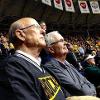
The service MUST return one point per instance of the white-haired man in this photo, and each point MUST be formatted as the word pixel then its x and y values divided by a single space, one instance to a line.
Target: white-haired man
pixel 67 75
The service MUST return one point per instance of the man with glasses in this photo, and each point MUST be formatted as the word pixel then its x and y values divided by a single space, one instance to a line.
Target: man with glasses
pixel 22 77
pixel 69 78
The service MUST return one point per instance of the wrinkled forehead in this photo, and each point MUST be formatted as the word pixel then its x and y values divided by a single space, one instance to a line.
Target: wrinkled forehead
pixel 24 22
pixel 30 22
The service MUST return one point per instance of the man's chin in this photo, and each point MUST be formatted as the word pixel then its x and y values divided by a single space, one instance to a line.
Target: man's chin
pixel 43 45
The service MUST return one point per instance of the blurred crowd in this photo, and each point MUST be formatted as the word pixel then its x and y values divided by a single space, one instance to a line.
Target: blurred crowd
pixel 6 47
pixel 83 46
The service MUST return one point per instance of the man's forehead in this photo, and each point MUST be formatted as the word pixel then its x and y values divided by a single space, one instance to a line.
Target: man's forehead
pixel 27 21
pixel 32 22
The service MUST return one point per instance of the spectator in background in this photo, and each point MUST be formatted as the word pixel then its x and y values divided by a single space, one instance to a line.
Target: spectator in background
pixel 21 75
pixel 68 76
pixel 89 49
pixel 11 48
pixel 71 57
pixel 81 51
pixel 97 57
pixel 92 72
pixel 4 46
pixel 43 26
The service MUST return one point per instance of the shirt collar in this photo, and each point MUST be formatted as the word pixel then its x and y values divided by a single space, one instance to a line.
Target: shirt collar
pixel 38 60
pixel 65 62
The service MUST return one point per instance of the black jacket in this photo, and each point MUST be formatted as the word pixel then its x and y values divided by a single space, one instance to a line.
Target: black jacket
pixel 22 80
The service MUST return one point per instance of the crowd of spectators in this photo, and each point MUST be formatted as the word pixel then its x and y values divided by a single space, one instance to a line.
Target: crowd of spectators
pixel 84 54
pixel 82 46
pixel 87 53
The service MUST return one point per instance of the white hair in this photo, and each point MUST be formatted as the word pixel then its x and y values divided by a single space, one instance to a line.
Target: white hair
pixel 51 37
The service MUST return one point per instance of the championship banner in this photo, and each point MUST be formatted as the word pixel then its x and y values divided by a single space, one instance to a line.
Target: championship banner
pixel 47 2
pixel 69 5
pixel 58 4
pixel 83 7
pixel 95 7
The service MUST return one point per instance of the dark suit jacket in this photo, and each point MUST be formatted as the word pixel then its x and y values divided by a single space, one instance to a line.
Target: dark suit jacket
pixel 20 79
pixel 70 78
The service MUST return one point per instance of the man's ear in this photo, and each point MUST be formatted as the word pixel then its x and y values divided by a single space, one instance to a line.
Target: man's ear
pixel 20 34
pixel 51 50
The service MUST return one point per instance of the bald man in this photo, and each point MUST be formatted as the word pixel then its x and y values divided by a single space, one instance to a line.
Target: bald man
pixel 22 77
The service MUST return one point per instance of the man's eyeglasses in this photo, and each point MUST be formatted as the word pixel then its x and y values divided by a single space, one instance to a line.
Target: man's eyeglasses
pixel 37 26
pixel 61 40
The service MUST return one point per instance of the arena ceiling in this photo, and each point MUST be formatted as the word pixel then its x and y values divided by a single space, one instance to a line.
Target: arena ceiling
pixel 11 10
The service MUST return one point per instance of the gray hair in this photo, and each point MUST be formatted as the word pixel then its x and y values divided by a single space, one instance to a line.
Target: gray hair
pixel 14 26
pixel 51 37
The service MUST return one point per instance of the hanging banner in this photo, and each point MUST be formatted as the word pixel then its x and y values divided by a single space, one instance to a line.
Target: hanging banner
pixel 95 7
pixel 83 7
pixel 58 4
pixel 47 2
pixel 69 5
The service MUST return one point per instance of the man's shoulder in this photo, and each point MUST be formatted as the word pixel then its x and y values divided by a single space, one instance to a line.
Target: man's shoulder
pixel 10 59
pixel 54 66
pixel 51 63
pixel 12 62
